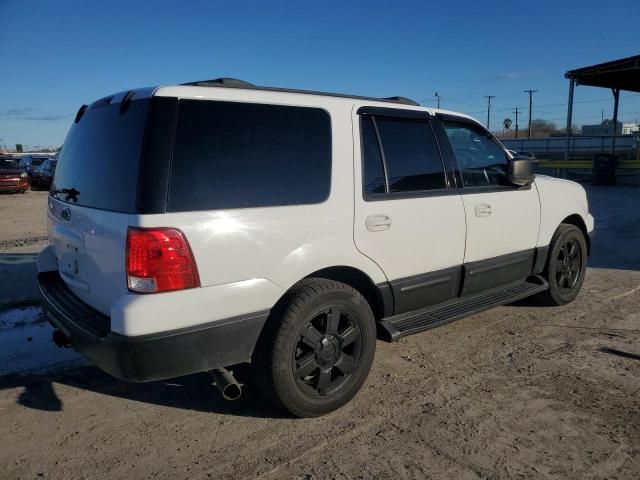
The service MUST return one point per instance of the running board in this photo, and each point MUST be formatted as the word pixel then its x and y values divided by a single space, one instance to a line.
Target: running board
pixel 398 326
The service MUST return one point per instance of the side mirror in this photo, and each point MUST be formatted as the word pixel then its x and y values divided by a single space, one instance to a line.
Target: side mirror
pixel 521 171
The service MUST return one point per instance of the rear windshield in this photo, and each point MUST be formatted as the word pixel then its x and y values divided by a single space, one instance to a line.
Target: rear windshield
pixel 243 155
pixel 7 164
pixel 101 157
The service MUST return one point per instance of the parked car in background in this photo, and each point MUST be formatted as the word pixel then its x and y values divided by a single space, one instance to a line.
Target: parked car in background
pixel 43 174
pixel 29 163
pixel 12 178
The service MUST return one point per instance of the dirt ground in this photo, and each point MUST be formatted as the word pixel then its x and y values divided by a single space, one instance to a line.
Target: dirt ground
pixel 517 392
pixel 23 220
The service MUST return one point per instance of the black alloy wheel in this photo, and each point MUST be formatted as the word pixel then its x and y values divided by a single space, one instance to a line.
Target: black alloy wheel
pixel 317 347
pixel 327 352
pixel 566 266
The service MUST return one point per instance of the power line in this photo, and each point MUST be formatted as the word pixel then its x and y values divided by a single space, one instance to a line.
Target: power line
pixel 461 102
pixel 564 104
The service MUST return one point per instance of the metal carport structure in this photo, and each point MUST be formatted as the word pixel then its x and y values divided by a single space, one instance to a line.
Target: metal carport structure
pixel 623 74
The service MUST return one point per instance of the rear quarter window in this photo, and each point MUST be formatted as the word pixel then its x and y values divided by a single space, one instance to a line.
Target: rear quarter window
pixel 241 155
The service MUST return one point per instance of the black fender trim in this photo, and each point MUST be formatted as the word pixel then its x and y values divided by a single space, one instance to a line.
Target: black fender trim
pixel 541 259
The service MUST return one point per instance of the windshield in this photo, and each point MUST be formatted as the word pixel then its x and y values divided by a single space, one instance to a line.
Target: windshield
pixel 101 157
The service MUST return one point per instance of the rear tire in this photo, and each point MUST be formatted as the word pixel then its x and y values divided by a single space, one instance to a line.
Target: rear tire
pixel 566 266
pixel 317 348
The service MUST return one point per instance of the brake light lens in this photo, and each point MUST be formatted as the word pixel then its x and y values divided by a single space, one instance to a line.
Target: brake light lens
pixel 159 260
pixel 24 179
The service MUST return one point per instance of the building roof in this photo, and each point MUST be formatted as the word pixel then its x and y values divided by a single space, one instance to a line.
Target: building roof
pixel 623 74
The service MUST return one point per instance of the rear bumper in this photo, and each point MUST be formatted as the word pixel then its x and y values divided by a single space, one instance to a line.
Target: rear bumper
pixel 147 357
pixel 14 188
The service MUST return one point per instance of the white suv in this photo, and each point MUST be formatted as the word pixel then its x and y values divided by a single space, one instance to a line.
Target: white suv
pixel 199 226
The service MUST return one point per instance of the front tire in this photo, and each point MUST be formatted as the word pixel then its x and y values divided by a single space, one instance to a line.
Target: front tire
pixel 317 348
pixel 566 266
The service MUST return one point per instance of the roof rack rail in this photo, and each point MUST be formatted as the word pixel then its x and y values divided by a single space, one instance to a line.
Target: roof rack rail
pixel 405 100
pixel 221 82
pixel 236 83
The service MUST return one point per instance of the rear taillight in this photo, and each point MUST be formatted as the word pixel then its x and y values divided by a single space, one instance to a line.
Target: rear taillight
pixel 159 260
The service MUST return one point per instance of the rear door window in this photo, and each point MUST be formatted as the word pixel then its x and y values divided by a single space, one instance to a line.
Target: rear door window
pixel 403 150
pixel 411 154
pixel 242 155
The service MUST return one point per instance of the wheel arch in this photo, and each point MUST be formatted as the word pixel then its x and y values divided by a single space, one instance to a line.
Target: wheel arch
pixel 379 297
pixel 577 221
pixel 381 302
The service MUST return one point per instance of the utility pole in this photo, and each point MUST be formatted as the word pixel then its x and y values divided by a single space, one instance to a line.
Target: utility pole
pixel 489 97
pixel 516 112
pixel 530 92
pixel 438 99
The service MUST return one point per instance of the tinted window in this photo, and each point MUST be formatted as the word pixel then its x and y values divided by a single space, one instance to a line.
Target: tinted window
pixel 7 164
pixel 481 160
pixel 241 155
pixel 411 155
pixel 101 156
pixel 373 171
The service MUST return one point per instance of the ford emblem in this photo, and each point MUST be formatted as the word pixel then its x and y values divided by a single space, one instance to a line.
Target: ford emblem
pixel 65 214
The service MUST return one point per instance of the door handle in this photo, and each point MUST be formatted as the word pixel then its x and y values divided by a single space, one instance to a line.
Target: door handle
pixel 483 210
pixel 377 223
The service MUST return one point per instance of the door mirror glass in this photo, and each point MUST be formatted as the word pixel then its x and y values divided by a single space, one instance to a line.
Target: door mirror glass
pixel 520 171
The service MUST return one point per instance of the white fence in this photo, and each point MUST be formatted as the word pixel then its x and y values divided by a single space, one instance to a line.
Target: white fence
pixel 627 146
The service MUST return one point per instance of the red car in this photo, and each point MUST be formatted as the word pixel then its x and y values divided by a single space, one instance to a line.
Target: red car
pixel 12 178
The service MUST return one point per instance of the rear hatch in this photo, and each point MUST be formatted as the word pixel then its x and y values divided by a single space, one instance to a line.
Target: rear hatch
pixel 93 195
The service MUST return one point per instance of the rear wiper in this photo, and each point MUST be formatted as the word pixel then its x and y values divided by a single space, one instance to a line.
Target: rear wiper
pixel 71 194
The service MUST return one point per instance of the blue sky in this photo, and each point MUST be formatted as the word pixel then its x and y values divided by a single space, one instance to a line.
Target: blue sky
pixel 58 55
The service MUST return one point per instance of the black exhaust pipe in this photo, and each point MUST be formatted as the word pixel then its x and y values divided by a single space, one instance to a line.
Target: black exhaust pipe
pixel 60 339
pixel 226 383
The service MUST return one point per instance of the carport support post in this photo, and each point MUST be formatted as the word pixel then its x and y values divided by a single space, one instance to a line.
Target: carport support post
pixel 616 99
pixel 572 84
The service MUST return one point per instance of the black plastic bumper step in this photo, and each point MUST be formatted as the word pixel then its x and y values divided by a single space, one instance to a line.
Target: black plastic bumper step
pixel 417 321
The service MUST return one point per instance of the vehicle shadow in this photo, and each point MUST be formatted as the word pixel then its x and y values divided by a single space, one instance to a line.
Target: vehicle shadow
pixel 193 392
